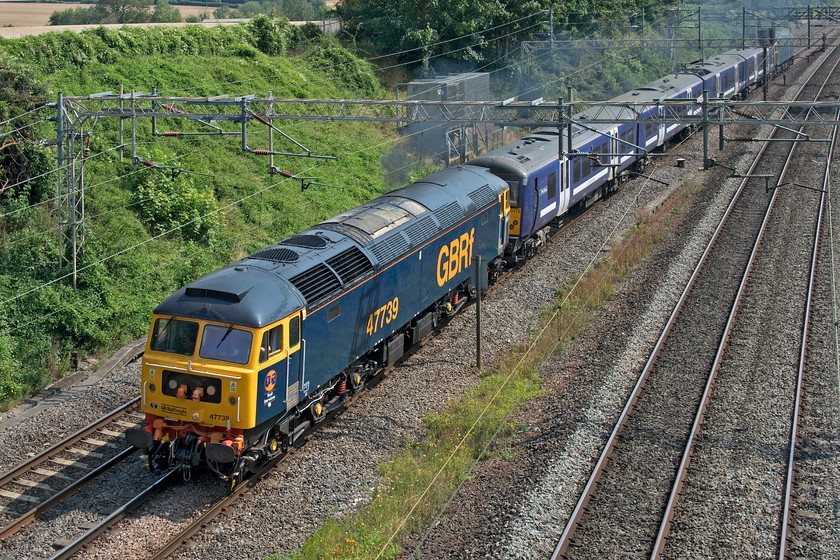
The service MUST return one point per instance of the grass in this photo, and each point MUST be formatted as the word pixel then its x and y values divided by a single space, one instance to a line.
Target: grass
pixel 417 484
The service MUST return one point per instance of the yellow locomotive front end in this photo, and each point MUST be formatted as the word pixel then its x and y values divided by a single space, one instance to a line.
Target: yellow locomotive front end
pixel 199 387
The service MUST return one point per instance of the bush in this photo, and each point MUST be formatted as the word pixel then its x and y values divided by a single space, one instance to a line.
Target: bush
pixel 170 203
pixel 10 387
pixel 270 37
pixel 78 16
pixel 353 72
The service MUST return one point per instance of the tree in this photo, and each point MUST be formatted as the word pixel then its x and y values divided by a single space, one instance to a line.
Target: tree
pixel 166 13
pixel 125 11
pixel 418 24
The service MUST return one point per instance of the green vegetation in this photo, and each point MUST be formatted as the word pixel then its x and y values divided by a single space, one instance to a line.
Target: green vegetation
pixel 160 11
pixel 150 230
pixel 118 11
pixel 293 10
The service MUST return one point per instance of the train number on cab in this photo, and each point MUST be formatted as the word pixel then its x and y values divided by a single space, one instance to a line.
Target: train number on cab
pixel 383 316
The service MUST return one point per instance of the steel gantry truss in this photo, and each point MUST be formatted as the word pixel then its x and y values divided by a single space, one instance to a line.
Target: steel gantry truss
pixel 215 111
pixel 223 115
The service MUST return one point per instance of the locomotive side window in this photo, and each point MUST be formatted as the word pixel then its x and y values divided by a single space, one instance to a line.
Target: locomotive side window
pixel 294 331
pixel 333 312
pixel 227 344
pixel 272 342
pixel 174 336
pixel 552 185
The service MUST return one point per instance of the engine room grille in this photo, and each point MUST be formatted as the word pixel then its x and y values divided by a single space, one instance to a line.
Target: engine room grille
pixel 449 214
pixel 276 254
pixel 483 196
pixel 308 241
pixel 350 264
pixel 421 231
pixel 316 283
pixel 353 233
pixel 390 248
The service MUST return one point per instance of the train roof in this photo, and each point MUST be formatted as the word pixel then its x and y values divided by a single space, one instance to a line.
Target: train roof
pixel 714 64
pixel 533 151
pixel 310 268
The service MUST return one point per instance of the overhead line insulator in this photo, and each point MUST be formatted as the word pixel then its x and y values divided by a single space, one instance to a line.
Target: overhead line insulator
pixel 261 119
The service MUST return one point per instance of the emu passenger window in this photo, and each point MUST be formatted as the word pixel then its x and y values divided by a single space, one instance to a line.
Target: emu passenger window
pixel 514 189
pixel 552 185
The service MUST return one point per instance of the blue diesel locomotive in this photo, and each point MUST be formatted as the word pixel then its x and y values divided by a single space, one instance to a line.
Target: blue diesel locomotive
pixel 241 362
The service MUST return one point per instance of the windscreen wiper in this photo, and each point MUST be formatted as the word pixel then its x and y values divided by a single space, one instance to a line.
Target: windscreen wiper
pixel 227 332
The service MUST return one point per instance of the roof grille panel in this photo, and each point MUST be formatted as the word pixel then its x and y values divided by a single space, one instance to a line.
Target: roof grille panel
pixel 316 283
pixel 449 215
pixel 353 233
pixel 421 231
pixel 389 249
pixel 483 196
pixel 307 241
pixel 276 254
pixel 350 265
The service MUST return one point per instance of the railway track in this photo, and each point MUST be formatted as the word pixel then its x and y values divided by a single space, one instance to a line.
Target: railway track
pixel 112 426
pixel 631 497
pixel 43 481
pixel 787 505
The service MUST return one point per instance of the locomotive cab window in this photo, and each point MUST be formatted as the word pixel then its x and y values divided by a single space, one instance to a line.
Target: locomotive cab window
pixel 272 343
pixel 504 203
pixel 227 344
pixel 174 336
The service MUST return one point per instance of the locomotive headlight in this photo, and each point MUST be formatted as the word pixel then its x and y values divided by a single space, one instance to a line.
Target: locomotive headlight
pixel 210 390
pixel 152 388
